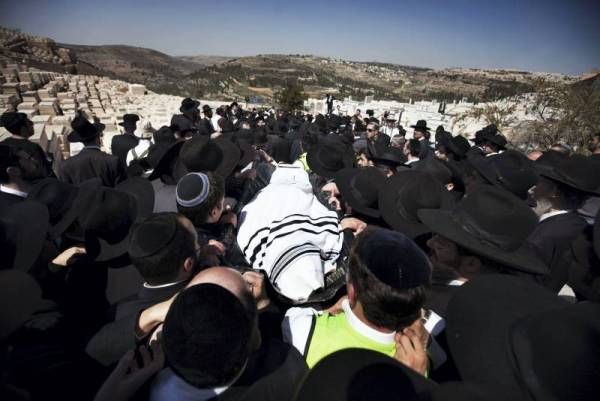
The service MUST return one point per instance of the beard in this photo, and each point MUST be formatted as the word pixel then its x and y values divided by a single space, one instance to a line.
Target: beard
pixel 542 206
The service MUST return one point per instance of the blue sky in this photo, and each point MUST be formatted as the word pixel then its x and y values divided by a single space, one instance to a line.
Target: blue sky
pixel 552 35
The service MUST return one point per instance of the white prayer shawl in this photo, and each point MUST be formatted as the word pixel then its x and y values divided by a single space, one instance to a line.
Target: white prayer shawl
pixel 289 234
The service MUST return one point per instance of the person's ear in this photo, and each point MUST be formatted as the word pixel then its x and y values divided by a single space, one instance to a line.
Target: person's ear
pixel 13 171
pixel 450 186
pixel 188 264
pixel 351 293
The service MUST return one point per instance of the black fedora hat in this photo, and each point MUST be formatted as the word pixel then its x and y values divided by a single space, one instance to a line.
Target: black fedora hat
pixel 522 340
pixel 231 157
pixel 510 170
pixel 326 158
pixel 574 171
pixel 387 155
pixel 360 187
pixel 458 145
pixel 164 134
pixel 421 125
pixel 493 223
pixel 141 189
pixel 23 232
pixel 106 216
pixel 200 153
pixel 361 374
pixel 58 197
pixel 161 156
pixel 83 130
pixel 129 119
pixel 404 194
pixel 188 104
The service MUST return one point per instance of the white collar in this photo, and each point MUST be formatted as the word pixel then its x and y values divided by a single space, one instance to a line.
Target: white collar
pixel 12 191
pixel 150 286
pixel 363 329
pixel 553 213
pixel 456 283
pixel 411 161
pixel 491 154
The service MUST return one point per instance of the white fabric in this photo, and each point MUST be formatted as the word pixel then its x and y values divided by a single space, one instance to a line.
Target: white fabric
pixel 552 214
pixel 215 122
pixel 138 152
pixel 289 234
pixel 12 191
pixel 146 285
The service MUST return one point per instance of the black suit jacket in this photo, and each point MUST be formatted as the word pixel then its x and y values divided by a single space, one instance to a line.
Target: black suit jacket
pixel 122 144
pixel 205 127
pixel 92 163
pixel 426 151
pixel 551 239
pixel 114 339
pixel 8 199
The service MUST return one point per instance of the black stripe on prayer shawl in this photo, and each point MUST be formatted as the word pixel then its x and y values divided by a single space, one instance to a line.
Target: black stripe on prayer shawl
pixel 265 239
pixel 328 255
pixel 282 223
pixel 306 216
pixel 292 254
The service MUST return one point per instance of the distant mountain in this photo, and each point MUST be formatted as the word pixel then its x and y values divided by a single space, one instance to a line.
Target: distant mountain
pixel 260 77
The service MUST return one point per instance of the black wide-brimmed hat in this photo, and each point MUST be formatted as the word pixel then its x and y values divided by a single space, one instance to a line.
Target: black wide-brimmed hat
pixel 387 155
pixel 58 197
pixel 361 374
pixel 484 134
pixel 360 187
pixel 458 145
pixel 83 130
pixel 492 223
pixel 523 341
pixel 188 104
pixel 510 170
pixel 421 125
pixel 23 230
pixel 129 119
pixel 199 153
pixel 141 189
pixel 161 157
pixel 404 194
pixel 106 216
pixel 328 157
pixel 576 171
pixel 231 157
pixel 164 135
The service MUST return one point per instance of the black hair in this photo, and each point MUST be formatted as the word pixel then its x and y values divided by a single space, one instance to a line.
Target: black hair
pixel 199 214
pixel 163 266
pixel 383 305
pixel 11 161
pixel 414 147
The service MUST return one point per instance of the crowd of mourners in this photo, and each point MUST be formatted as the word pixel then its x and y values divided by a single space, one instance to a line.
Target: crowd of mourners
pixel 270 255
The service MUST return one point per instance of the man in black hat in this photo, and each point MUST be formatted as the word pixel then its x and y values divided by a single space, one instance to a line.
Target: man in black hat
pixel 121 144
pixel 422 134
pixel 21 129
pixel 594 146
pixel 562 187
pixel 189 120
pixel 371 118
pixel 163 248
pixel 91 162
pixel 386 289
pixel 206 124
pixel 412 151
pixel 18 173
pixel 329 102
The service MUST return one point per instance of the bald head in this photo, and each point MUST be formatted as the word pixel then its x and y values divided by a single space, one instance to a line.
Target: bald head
pixel 227 278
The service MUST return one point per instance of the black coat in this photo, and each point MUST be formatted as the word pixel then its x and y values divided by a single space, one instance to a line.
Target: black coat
pixel 551 239
pixel 426 150
pixel 206 127
pixel 92 163
pixel 7 200
pixel 114 339
pixel 122 144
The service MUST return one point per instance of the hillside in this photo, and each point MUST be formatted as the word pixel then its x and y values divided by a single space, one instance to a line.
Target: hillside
pixel 260 77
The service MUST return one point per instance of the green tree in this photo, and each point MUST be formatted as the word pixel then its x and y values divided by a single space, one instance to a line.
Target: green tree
pixel 291 97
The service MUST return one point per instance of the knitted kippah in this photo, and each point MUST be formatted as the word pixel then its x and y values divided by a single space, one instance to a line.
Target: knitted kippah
pixel 192 189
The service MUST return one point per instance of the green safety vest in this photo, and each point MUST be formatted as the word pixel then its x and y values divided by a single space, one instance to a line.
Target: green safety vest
pixel 331 333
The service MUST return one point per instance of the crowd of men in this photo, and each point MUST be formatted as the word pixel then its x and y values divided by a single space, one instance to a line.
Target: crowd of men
pixel 269 255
